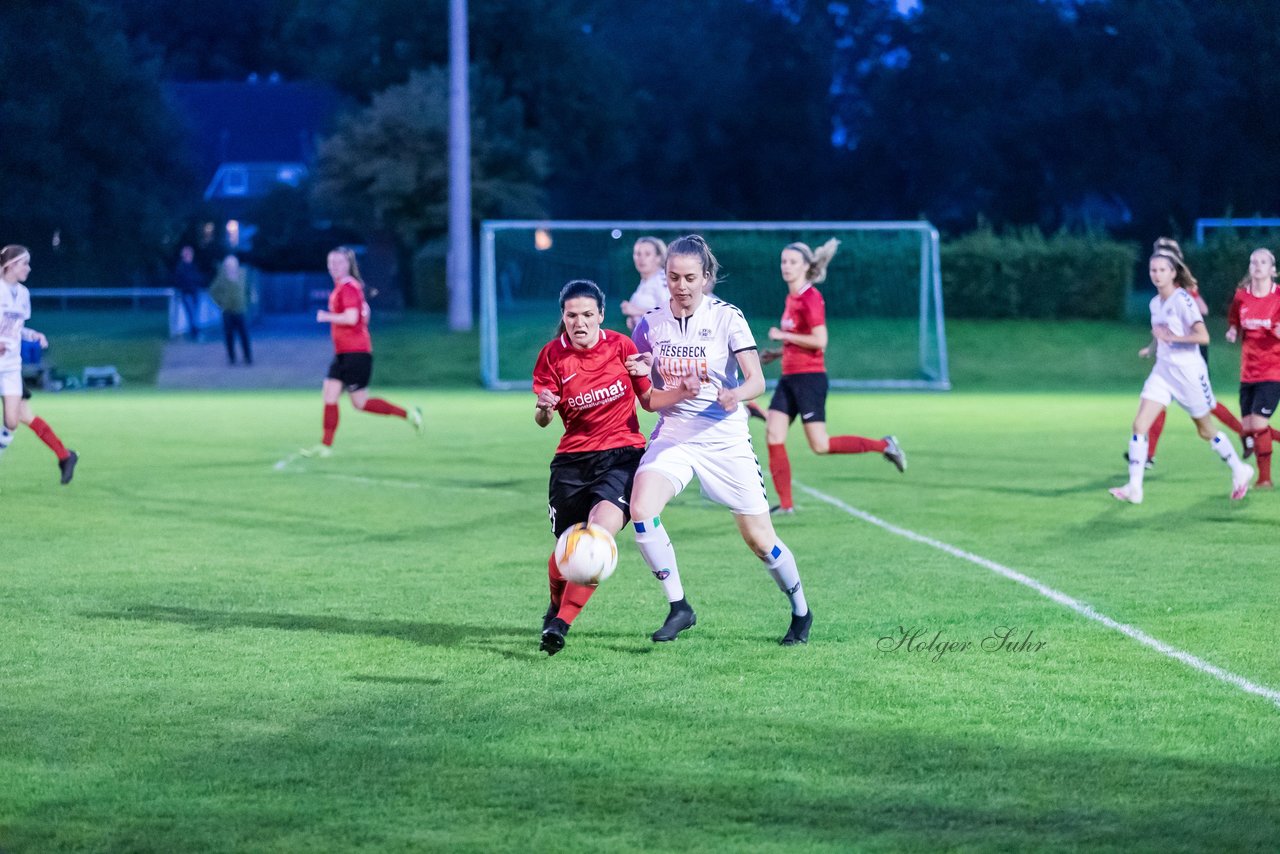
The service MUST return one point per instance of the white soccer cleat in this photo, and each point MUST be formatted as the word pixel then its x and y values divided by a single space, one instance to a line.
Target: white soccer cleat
pixel 415 418
pixel 1131 494
pixel 316 451
pixel 1240 483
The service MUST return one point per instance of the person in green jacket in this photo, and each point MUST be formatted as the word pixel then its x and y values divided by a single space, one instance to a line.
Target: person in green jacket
pixel 229 290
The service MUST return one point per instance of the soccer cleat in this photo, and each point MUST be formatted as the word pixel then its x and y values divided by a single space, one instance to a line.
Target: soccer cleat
pixel 415 418
pixel 1247 444
pixel 754 411
pixel 779 510
pixel 1132 494
pixel 1264 484
pixel 68 467
pixel 680 618
pixel 320 451
pixel 895 454
pixel 799 631
pixel 553 636
pixel 1151 461
pixel 1240 482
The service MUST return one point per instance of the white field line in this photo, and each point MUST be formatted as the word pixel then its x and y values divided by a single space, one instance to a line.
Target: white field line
pixel 1061 598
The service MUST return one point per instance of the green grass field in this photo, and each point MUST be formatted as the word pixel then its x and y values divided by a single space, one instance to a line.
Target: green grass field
pixel 203 652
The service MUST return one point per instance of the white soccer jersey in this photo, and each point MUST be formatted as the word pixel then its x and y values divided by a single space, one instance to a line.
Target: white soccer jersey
pixel 1179 313
pixel 706 344
pixel 15 311
pixel 651 292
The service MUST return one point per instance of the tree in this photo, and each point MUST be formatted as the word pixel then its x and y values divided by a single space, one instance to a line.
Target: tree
pixel 92 165
pixel 386 167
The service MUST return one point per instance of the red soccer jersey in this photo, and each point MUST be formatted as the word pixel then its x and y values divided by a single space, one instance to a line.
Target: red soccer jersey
pixel 805 312
pixel 350 339
pixel 597 395
pixel 1257 318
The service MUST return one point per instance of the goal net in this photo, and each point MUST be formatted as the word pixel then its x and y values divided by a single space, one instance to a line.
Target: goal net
pixel 883 291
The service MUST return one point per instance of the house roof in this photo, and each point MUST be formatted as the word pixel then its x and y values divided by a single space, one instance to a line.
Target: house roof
pixel 263 121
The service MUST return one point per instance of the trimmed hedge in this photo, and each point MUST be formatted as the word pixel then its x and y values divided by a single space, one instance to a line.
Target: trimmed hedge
pixel 1025 274
pixel 1223 261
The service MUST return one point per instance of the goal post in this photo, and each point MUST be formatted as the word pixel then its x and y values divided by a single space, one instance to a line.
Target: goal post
pixel 883 290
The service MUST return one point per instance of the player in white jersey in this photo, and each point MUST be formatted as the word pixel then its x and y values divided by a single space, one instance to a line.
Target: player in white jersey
pixel 1179 374
pixel 15 310
pixel 695 346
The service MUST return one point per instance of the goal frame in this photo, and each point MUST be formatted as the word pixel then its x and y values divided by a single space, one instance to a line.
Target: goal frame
pixel 930 303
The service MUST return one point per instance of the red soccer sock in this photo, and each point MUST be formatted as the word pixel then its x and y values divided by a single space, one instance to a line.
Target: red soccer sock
pixel 855 445
pixel 50 438
pixel 1153 434
pixel 1228 420
pixel 330 422
pixel 780 471
pixel 378 406
pixel 555 581
pixel 575 598
pixel 1262 450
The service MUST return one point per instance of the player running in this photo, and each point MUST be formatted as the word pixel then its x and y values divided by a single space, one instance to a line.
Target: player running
pixel 1254 318
pixel 583 374
pixel 1179 374
pixel 15 311
pixel 802 390
pixel 352 366
pixel 697 345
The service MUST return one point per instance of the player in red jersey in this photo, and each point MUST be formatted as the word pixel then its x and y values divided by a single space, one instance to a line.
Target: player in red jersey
pixel 1254 319
pixel 352 365
pixel 1220 411
pixel 803 388
pixel 583 374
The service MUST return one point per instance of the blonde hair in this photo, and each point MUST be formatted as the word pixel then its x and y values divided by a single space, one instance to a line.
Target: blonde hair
pixel 817 259
pixel 12 254
pixel 1169 245
pixel 658 246
pixel 353 269
pixel 1248 277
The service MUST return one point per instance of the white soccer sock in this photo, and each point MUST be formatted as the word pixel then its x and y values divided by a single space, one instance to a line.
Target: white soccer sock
pixel 656 549
pixel 1137 458
pixel 781 564
pixel 6 437
pixel 1223 447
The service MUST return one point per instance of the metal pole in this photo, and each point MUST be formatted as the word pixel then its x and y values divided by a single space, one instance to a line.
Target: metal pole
pixel 458 263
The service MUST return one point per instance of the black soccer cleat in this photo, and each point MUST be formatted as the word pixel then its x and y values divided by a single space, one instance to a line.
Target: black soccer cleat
pixel 779 510
pixel 553 636
pixel 552 610
pixel 799 631
pixel 68 467
pixel 680 618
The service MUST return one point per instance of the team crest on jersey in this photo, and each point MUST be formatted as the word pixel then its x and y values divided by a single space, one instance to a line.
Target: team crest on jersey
pixel 704 334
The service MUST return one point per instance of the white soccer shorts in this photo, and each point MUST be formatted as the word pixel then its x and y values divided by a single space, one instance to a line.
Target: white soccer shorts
pixel 11 383
pixel 1189 385
pixel 728 472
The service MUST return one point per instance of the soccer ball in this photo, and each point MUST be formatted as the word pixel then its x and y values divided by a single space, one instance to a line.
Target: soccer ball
pixel 586 554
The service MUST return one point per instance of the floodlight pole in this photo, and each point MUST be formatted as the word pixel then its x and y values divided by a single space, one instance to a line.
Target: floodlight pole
pixel 458 262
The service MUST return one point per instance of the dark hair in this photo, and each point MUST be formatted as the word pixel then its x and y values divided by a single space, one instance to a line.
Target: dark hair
pixel 694 245
pixel 1181 273
pixel 577 289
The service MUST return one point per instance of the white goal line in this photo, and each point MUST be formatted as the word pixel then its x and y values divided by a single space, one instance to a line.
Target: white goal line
pixel 1061 598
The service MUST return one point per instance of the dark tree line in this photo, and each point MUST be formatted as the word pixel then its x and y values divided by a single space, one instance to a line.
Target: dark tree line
pixel 1133 115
